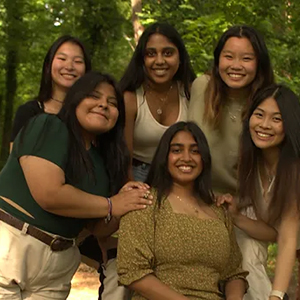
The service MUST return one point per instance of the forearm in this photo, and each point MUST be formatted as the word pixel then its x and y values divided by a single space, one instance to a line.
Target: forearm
pixel 235 289
pixel 152 288
pixel 284 263
pixel 69 201
pixel 255 228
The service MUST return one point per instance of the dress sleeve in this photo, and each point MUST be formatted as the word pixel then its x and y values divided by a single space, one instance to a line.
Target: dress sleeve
pixel 136 245
pixel 23 114
pixel 234 267
pixel 45 136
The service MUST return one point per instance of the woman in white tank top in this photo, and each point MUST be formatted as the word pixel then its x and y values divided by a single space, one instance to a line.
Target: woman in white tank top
pixel 156 88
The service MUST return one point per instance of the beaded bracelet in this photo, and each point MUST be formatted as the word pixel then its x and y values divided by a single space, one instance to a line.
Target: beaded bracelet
pixel 109 214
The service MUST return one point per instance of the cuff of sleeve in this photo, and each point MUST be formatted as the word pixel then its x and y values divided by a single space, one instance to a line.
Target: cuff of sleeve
pixel 128 278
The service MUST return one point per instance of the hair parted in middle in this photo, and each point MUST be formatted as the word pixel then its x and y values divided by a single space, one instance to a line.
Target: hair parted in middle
pixel 111 145
pixel 135 76
pixel 159 176
pixel 215 93
pixel 287 178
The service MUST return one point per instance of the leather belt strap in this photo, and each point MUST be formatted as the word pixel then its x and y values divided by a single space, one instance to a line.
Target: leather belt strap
pixel 55 243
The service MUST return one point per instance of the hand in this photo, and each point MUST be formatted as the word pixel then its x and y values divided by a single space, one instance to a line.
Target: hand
pixel 134 185
pixel 229 201
pixel 133 199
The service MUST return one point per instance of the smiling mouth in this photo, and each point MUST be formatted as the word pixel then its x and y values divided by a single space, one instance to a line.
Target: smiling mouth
pixel 160 71
pixel 99 114
pixel 235 76
pixel 185 169
pixel 69 76
pixel 263 135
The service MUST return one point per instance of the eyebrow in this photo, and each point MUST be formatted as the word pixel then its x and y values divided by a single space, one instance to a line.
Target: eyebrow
pixel 166 48
pixel 275 113
pixel 181 145
pixel 64 54
pixel 245 53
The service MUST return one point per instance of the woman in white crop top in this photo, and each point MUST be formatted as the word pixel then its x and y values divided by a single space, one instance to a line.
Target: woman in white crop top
pixel 156 87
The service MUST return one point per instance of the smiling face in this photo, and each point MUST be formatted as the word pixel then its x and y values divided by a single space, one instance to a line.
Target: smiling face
pixel 237 63
pixel 266 126
pixel 161 59
pixel 184 160
pixel 98 113
pixel 67 66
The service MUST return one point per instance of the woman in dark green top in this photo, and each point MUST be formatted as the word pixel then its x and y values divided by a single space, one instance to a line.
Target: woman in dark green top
pixel 58 178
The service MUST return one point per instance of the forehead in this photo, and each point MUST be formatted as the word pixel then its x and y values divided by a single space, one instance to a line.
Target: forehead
pixel 238 45
pixel 183 137
pixel 106 88
pixel 269 105
pixel 70 48
pixel 159 41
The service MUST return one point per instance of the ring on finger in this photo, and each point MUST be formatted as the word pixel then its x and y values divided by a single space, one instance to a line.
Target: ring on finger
pixel 146 195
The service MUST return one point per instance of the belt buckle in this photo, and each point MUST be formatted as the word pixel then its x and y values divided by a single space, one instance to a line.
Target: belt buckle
pixel 59 244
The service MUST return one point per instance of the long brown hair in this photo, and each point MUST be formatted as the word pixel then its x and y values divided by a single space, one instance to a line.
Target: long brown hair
pixel 287 180
pixel 216 90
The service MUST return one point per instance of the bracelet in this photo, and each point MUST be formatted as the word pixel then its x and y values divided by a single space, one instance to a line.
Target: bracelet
pixel 278 294
pixel 109 214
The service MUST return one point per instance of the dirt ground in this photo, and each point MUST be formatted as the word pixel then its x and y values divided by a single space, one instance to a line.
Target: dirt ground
pixel 85 285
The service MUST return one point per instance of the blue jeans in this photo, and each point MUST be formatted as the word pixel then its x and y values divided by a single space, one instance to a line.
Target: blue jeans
pixel 140 171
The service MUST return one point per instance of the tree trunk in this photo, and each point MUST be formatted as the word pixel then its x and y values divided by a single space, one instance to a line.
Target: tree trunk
pixel 136 7
pixel 13 22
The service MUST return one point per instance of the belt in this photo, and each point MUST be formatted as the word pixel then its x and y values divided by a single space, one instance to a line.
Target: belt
pixel 55 243
pixel 137 163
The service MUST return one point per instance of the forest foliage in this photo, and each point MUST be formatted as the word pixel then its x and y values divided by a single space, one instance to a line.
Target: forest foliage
pixel 29 27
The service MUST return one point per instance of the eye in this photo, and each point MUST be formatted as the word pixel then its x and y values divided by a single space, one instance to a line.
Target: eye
pixel 258 114
pixel 61 58
pixel 277 119
pixel 79 61
pixel 195 151
pixel 168 53
pixel 150 53
pixel 94 96
pixel 247 58
pixel 175 150
pixel 228 56
pixel 112 102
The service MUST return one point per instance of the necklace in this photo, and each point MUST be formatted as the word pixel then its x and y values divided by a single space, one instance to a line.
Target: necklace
pixel 163 100
pixel 195 209
pixel 59 101
pixel 233 116
pixel 270 176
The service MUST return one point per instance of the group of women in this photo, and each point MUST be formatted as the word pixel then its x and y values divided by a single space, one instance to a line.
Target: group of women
pixel 215 162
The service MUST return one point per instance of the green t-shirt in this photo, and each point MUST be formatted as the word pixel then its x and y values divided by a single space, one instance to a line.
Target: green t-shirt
pixel 46 136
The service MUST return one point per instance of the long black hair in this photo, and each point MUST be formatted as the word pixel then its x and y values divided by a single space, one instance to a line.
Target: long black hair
pixel 111 145
pixel 159 176
pixel 287 180
pixel 45 92
pixel 135 76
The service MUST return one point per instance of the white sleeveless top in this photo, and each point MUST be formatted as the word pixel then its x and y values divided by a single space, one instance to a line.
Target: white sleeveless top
pixel 147 131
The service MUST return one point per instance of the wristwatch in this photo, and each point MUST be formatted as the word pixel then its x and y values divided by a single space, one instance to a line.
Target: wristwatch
pixel 278 294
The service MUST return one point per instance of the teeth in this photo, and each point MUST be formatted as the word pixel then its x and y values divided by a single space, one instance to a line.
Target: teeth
pixel 263 134
pixel 160 72
pixel 185 168
pixel 235 75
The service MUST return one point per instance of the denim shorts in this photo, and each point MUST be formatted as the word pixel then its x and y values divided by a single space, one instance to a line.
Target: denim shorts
pixel 140 170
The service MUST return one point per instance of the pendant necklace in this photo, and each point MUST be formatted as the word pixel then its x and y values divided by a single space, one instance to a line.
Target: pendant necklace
pixel 163 100
pixel 195 209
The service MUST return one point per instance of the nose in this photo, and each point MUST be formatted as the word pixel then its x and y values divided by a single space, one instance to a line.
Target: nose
pixel 69 64
pixel 102 102
pixel 236 64
pixel 265 123
pixel 160 60
pixel 186 155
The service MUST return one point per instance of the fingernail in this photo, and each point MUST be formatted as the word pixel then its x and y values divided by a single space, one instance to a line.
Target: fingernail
pixel 150 202
pixel 144 206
